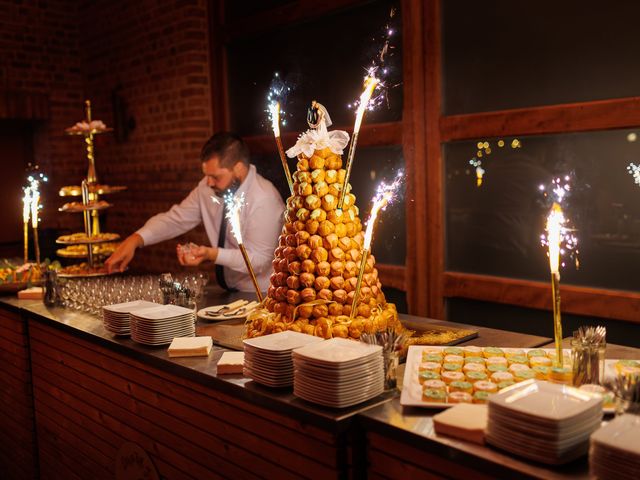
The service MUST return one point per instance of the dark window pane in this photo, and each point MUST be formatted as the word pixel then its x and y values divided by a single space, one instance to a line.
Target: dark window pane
pixel 534 322
pixel 323 58
pixel 499 55
pixel 236 10
pixel 495 229
pixel 373 165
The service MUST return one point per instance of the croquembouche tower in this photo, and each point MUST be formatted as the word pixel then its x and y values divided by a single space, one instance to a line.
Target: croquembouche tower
pixel 318 259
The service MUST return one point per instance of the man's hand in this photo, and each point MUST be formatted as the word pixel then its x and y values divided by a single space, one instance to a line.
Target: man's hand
pixel 119 259
pixel 193 255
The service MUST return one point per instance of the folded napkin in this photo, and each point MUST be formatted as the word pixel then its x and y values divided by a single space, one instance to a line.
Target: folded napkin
pixel 230 363
pixel 190 347
pixel 465 421
pixel 33 293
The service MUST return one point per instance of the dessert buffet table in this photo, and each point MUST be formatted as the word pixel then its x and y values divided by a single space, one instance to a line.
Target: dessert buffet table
pixel 83 393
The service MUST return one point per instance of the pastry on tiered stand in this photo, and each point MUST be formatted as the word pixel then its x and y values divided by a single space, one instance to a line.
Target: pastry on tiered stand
pixel 92 242
pixel 318 256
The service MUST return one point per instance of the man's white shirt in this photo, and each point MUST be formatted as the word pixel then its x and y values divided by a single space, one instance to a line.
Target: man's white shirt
pixel 261 221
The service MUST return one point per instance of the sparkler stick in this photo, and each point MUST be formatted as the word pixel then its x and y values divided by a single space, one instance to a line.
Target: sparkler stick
pixel 383 196
pixel 274 110
pixel 555 220
pixel 234 204
pixel 370 83
pixel 35 204
pixel 26 210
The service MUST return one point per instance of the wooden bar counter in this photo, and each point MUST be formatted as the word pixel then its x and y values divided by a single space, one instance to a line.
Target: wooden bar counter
pixel 74 395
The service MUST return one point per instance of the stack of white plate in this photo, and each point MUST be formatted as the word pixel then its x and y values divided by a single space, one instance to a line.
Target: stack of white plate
pixel 615 449
pixel 338 372
pixel 116 317
pixel 543 421
pixel 160 325
pixel 267 359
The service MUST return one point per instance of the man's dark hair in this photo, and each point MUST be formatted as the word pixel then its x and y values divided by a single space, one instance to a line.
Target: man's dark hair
pixel 228 147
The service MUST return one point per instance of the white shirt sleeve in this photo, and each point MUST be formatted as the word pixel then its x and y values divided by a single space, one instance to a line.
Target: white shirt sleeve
pixel 260 229
pixel 179 219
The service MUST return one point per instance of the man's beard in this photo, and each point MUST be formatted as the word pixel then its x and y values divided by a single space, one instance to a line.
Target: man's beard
pixel 230 190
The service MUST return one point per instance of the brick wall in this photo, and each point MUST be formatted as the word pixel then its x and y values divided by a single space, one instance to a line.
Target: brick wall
pixel 156 53
pixel 39 54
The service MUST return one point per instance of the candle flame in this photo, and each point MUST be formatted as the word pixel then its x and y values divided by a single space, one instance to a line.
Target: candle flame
pixel 370 83
pixel 385 194
pixel 234 204
pixel 274 112
pixel 555 223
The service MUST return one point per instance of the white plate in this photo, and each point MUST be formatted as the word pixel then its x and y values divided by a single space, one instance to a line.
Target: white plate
pixel 544 400
pixel 337 353
pixel 128 307
pixel 162 312
pixel 282 341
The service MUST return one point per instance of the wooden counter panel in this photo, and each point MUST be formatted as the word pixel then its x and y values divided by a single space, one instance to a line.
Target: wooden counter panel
pixel 17 427
pixel 398 460
pixel 168 414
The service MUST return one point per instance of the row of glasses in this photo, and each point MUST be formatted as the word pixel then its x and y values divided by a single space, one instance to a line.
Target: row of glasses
pixel 91 294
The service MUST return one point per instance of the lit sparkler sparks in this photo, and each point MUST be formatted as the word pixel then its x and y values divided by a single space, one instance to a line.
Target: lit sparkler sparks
pixel 26 211
pixel 277 93
pixel 634 171
pixel 234 204
pixel 385 194
pixel 370 83
pixel 558 191
pixel 30 207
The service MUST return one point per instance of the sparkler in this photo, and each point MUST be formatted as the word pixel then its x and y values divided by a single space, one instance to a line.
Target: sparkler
pixel 26 211
pixel 370 83
pixel 275 98
pixel 555 220
pixel 234 204
pixel 274 111
pixel 384 195
pixel 30 208
pixel 558 240
pixel 634 171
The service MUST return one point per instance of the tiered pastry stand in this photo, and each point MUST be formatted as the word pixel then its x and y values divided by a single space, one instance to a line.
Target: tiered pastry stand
pixel 90 192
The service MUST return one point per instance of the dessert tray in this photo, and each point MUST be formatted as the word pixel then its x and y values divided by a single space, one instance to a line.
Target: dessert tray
pixel 82 270
pixel 83 238
pixel 81 251
pixel 76 190
pixel 432 369
pixel 75 207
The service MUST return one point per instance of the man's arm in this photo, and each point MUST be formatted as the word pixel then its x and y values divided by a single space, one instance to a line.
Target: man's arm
pixel 119 259
pixel 178 220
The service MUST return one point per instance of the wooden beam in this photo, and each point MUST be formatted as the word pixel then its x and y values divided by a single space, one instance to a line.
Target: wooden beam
pixel 414 148
pixel 293 12
pixel 613 304
pixel 434 169
pixel 392 276
pixel 371 135
pixel 569 117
